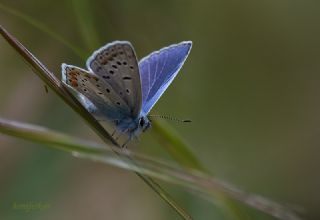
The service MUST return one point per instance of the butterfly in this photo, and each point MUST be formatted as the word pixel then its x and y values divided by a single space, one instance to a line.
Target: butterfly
pixel 119 89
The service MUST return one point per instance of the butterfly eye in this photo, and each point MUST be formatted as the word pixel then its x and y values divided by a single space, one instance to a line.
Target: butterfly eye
pixel 141 122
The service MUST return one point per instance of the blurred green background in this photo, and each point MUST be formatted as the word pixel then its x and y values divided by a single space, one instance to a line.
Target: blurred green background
pixel 250 85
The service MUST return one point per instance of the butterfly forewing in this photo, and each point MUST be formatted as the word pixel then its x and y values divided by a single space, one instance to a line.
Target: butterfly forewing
pixel 158 69
pixel 100 94
pixel 117 65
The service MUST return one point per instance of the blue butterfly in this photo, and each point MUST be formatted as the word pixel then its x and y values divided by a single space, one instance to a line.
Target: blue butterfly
pixel 118 89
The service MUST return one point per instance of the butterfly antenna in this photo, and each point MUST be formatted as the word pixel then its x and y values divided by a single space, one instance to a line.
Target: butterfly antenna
pixel 169 118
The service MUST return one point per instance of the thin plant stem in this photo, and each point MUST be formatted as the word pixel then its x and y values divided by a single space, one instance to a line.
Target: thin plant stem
pixel 194 180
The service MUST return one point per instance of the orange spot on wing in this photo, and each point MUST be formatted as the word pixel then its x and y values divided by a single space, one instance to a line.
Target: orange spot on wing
pixel 74 83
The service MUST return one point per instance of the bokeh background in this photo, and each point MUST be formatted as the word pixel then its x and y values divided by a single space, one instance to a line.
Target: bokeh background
pixel 250 85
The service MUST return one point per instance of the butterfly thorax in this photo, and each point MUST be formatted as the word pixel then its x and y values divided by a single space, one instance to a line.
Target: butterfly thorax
pixel 133 127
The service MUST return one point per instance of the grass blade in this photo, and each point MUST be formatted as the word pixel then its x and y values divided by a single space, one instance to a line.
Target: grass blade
pixel 143 165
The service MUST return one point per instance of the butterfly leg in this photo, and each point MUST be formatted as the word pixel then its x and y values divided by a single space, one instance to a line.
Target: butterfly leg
pixel 120 133
pixel 127 131
pixel 116 122
pixel 137 138
pixel 117 138
pixel 113 135
pixel 124 145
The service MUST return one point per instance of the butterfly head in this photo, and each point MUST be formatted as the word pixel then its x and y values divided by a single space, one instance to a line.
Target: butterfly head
pixel 139 125
pixel 143 123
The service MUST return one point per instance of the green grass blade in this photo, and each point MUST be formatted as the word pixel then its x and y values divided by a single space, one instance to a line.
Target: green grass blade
pixel 143 165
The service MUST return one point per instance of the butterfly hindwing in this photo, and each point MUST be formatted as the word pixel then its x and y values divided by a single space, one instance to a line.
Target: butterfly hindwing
pixel 158 69
pixel 117 65
pixel 92 88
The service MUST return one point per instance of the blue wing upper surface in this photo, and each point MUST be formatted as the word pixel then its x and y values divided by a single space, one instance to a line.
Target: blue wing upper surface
pixel 158 69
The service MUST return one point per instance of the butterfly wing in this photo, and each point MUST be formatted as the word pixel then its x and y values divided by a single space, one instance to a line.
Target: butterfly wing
pixel 94 93
pixel 117 65
pixel 158 69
